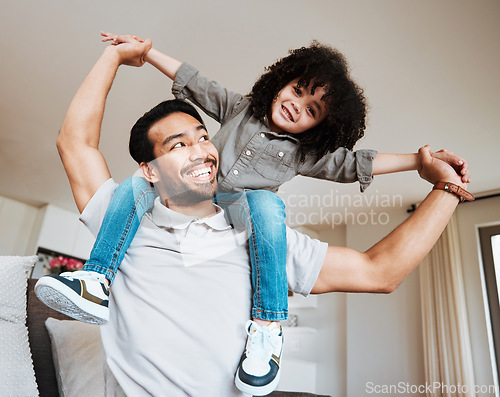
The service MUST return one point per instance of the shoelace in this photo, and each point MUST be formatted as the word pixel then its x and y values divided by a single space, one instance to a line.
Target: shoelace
pixel 260 342
pixel 94 275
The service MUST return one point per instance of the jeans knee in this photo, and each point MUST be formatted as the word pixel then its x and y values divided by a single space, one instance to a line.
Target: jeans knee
pixel 266 204
pixel 126 185
pixel 135 186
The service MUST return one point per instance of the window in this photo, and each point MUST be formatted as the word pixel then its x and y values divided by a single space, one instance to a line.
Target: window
pixel 490 250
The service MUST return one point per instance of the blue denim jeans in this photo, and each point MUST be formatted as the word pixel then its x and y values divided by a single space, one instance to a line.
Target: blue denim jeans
pixel 261 212
pixel 131 200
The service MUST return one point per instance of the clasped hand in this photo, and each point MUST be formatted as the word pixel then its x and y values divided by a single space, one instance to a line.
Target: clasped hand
pixel 436 167
pixel 130 49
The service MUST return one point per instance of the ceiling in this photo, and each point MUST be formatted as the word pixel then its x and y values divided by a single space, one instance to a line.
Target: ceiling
pixel 430 71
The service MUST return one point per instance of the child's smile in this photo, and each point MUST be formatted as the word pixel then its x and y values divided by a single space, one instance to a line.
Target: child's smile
pixel 287 113
pixel 296 110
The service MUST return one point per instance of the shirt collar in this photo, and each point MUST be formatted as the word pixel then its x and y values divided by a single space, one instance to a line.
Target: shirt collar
pixel 265 121
pixel 163 216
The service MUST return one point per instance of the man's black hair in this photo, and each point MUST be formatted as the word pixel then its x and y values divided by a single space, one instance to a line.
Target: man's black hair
pixel 140 146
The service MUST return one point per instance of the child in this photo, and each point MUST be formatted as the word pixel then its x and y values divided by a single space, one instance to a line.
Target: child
pixel 303 116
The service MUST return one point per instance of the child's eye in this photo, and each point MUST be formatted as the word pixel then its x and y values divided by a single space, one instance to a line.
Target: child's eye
pixel 312 111
pixel 178 145
pixel 297 90
pixel 204 138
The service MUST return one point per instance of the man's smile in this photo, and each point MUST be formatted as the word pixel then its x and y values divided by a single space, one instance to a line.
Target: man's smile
pixel 201 172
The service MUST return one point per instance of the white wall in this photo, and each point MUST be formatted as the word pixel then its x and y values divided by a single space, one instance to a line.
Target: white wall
pixel 18 222
pixel 470 216
pixel 331 330
pixel 384 335
pixel 326 346
pixel 24 228
pixel 62 231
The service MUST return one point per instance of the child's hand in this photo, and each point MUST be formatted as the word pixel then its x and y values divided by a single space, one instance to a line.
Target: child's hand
pixel 131 50
pixel 460 165
pixel 106 36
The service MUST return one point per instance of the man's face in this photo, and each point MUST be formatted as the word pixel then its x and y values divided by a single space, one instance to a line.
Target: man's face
pixel 185 168
pixel 296 109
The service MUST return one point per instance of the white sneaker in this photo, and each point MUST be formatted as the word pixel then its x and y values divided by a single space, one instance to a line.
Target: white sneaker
pixel 259 371
pixel 82 295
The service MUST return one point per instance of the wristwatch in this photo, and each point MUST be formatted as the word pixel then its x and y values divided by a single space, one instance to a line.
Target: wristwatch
pixel 462 194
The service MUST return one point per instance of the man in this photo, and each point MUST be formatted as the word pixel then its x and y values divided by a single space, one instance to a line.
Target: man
pixel 183 290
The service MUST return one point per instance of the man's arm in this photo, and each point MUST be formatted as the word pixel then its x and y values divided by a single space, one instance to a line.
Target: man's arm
pixel 78 140
pixel 385 265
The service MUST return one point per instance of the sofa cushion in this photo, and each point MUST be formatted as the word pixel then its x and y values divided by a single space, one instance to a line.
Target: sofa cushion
pixel 78 357
pixel 17 377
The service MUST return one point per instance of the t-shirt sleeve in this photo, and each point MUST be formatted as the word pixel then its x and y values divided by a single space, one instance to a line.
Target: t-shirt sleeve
pixel 305 257
pixel 94 212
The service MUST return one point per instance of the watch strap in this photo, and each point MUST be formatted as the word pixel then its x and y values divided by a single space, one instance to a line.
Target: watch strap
pixel 461 193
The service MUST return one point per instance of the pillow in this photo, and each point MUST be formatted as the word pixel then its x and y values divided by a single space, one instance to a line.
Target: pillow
pixel 78 357
pixel 17 377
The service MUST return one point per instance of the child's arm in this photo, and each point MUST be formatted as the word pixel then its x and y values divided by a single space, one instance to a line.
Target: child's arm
pixel 385 163
pixel 214 100
pixel 164 63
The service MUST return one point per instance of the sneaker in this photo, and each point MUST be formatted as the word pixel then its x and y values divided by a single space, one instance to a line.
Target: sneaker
pixel 259 371
pixel 81 295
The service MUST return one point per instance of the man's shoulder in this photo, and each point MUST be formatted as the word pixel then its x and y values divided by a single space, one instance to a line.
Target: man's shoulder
pixel 93 213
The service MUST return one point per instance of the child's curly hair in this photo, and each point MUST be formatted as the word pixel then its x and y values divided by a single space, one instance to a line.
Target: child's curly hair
pixel 325 67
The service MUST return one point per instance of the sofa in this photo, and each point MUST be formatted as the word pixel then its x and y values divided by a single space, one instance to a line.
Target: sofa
pixel 57 347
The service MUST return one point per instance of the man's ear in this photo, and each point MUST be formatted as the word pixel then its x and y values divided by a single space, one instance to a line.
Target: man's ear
pixel 149 172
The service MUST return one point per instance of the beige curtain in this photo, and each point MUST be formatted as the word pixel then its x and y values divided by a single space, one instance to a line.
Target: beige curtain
pixel 447 349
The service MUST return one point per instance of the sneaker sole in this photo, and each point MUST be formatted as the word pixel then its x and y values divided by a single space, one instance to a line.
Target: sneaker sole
pixel 54 294
pixel 258 390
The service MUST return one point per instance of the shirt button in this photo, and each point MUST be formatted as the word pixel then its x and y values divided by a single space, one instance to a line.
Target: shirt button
pixel 281 154
pixel 262 135
pixel 248 152
pixel 235 172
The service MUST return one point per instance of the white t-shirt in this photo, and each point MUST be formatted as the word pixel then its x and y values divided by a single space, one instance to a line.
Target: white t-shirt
pixel 181 298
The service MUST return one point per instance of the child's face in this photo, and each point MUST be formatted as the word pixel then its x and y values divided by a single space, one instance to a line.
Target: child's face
pixel 296 110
